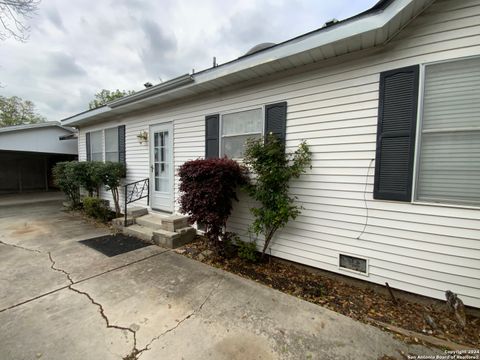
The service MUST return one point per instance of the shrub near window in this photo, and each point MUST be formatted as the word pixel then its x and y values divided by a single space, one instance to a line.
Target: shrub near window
pixel 66 176
pixel 207 189
pixel 70 176
pixel 90 176
pixel 97 208
pixel 273 169
pixel 112 174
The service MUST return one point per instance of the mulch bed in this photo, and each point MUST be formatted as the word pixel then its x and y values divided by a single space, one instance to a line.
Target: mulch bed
pixel 363 304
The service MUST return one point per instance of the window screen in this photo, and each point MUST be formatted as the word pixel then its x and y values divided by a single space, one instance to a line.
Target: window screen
pixel 111 144
pixel 449 160
pixel 96 147
pixel 237 128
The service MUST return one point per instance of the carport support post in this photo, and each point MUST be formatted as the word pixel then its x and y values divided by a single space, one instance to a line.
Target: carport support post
pixel 19 168
pixel 45 166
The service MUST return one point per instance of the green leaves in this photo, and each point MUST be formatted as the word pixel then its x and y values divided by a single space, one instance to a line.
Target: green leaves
pixel 273 169
pixel 16 111
pixel 104 96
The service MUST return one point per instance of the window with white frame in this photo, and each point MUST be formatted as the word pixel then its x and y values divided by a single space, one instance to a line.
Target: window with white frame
pixel 448 168
pixel 111 144
pixel 96 146
pixel 237 128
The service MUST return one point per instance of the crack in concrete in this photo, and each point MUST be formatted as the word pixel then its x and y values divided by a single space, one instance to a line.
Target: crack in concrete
pixel 58 269
pixel 100 307
pixel 73 282
pixel 193 313
pixel 134 353
pixel 21 247
pixel 107 321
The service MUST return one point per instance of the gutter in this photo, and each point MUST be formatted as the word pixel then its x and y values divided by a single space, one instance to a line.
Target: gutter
pixel 154 90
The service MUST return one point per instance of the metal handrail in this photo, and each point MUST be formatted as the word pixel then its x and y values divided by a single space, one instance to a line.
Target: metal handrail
pixel 137 193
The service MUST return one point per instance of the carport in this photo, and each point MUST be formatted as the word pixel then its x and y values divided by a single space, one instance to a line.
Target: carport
pixel 29 152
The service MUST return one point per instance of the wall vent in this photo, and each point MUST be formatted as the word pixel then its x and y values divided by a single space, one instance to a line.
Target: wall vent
pixel 353 263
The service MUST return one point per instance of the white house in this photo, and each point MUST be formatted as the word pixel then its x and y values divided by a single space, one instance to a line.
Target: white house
pixel 389 103
pixel 28 153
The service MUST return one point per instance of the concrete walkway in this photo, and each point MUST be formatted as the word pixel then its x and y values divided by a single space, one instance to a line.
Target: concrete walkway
pixel 62 300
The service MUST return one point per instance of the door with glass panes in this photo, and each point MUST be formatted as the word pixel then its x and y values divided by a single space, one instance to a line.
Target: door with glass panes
pixel 161 167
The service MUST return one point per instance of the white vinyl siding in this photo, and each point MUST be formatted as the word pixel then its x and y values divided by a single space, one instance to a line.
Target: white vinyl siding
pixel 96 145
pixel 449 159
pixel 424 249
pixel 237 128
pixel 111 144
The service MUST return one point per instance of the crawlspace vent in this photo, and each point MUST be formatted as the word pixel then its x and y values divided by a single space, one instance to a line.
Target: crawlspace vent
pixel 353 263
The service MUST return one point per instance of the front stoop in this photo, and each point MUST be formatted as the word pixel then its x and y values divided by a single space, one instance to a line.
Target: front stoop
pixel 169 231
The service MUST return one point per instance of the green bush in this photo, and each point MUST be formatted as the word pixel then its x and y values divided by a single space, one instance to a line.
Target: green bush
pixel 112 174
pixel 70 176
pixel 273 169
pixel 97 208
pixel 66 177
pixel 90 176
pixel 247 251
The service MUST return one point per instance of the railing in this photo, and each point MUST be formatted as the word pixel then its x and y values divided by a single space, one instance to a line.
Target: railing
pixel 138 190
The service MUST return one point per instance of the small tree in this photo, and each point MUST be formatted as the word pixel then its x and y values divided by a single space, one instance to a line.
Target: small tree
pixel 66 176
pixel 112 174
pixel 273 169
pixel 207 189
pixel 90 176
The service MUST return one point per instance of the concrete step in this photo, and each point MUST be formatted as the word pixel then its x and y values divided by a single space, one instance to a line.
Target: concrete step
pixel 136 211
pixel 174 222
pixel 119 223
pixel 172 240
pixel 152 221
pixel 139 231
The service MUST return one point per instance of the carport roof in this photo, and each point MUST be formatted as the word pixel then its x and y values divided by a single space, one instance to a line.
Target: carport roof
pixel 36 126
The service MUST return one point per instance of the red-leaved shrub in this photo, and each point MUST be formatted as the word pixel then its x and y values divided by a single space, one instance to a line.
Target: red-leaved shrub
pixel 207 189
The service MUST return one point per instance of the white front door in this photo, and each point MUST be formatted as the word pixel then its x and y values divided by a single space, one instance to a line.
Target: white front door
pixel 161 167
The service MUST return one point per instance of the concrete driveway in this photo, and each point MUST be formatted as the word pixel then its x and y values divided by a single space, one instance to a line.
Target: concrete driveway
pixel 62 300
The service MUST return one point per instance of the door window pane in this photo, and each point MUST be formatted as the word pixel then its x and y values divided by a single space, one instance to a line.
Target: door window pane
pixel 161 161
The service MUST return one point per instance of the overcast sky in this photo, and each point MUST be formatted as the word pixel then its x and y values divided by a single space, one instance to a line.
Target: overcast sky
pixel 79 47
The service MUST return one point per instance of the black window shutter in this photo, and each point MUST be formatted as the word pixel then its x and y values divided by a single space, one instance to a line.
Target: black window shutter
pixel 212 133
pixel 87 145
pixel 276 120
pixel 121 144
pixel 397 118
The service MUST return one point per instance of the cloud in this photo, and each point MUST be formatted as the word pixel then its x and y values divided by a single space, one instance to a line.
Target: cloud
pixel 54 17
pixel 159 50
pixel 62 65
pixel 76 48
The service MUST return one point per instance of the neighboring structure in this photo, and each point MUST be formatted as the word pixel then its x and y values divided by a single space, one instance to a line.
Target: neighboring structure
pixel 28 153
pixel 389 103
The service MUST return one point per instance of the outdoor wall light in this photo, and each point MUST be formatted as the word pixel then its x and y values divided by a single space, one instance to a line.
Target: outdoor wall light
pixel 142 137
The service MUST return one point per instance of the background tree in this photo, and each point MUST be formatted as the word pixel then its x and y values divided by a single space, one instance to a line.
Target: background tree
pixel 16 111
pixel 13 14
pixel 104 96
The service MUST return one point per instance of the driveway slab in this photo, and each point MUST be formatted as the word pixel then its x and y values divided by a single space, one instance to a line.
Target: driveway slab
pixel 64 300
